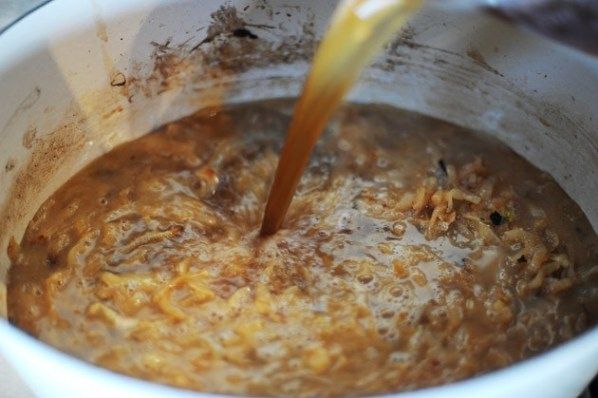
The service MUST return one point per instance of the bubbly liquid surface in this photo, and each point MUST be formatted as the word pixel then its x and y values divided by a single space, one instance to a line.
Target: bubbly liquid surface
pixel 414 254
pixel 357 31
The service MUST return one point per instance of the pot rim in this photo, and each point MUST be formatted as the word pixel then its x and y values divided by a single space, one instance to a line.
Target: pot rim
pixel 17 342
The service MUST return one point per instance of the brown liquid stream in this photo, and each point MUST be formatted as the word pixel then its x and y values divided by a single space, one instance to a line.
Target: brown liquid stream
pixel 358 30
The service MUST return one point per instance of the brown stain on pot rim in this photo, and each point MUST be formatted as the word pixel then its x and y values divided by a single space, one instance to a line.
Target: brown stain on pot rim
pixel 477 56
pixel 10 165
pixel 47 155
pixel 232 45
pixel 29 137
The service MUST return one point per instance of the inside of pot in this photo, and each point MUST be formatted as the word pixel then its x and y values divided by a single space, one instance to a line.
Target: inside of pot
pixel 240 55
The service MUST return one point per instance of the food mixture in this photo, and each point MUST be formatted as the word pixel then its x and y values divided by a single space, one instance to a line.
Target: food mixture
pixel 415 253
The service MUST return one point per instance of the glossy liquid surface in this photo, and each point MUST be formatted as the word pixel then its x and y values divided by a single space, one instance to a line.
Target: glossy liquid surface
pixel 416 253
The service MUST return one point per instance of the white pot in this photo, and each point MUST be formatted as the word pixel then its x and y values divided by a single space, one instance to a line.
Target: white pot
pixel 58 110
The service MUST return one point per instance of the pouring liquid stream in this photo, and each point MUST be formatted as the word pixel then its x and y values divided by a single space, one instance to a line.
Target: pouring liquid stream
pixel 359 28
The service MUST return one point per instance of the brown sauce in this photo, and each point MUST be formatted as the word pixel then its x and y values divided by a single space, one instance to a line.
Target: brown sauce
pixel 415 253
